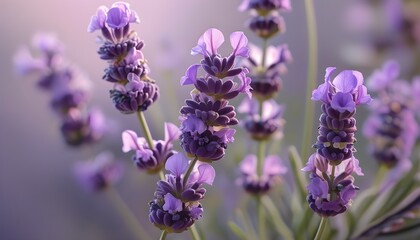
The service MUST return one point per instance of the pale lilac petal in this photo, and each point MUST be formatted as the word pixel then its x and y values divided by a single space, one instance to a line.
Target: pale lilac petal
pixel 362 96
pixel 321 93
pixel 359 76
pixel 193 124
pixel 318 187
pixel 239 42
pixel 177 164
pixel 117 17
pixel 206 174
pixel 97 22
pixel 172 204
pixel 356 168
pixel 134 18
pixel 213 38
pixel 245 84
pixel 131 77
pixel 343 102
pixel 345 81
pixel 244 5
pixel 248 106
pixel 200 48
pixel 273 166
pixel 310 165
pixel 328 73
pixel 249 165
pixel 172 132
pixel 190 75
pixel 129 139
pixel 226 134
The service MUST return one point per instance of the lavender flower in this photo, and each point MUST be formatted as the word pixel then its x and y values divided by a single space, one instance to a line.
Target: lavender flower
pixel 265 126
pixel 176 207
pixel 391 128
pixel 207 116
pixel 134 90
pixel 267 26
pixel 151 160
pixel 266 81
pixel 263 7
pixel 99 173
pixel 78 129
pixel 257 185
pixel 331 193
pixel 331 185
pixel 337 125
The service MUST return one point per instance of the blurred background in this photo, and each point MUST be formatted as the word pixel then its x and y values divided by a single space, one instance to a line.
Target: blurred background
pixel 39 197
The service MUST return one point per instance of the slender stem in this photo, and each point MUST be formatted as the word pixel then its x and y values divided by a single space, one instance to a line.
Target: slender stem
pixel 161 175
pixel 312 79
pixel 278 221
pixel 127 215
pixel 145 129
pixel 264 53
pixel 260 157
pixel 163 236
pixel 261 219
pixel 190 168
pixel 321 227
pixel 194 233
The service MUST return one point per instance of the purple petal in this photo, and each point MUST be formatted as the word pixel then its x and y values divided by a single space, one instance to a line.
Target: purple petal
pixel 193 124
pixel 117 17
pixel 343 102
pixel 177 164
pixel 245 84
pixel 310 165
pixel 97 22
pixel 226 134
pixel 172 204
pixel 248 106
pixel 25 63
pixel 129 139
pixel 244 5
pixel 172 132
pixel 249 165
pixel 362 96
pixel 190 75
pixel 345 82
pixel 321 93
pixel 133 77
pixel 391 69
pixel 273 166
pixel 213 39
pixel 318 187
pixel 239 42
pixel 356 168
pixel 206 174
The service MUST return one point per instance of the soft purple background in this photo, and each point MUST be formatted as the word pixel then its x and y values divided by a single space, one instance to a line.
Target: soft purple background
pixel 39 198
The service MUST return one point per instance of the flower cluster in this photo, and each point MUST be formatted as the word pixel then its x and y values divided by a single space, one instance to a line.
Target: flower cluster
pixel 207 115
pixel 331 184
pixel 145 158
pixel 391 128
pixel 271 174
pixel 176 204
pixel 67 87
pixel 133 89
pixel 99 173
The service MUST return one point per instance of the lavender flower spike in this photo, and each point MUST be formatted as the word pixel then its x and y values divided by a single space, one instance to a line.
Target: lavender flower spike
pixel 207 116
pixel 176 207
pixel 331 185
pixel 151 160
pixel 337 125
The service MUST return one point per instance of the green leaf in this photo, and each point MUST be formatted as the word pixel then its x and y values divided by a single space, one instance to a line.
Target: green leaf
pixel 237 230
pixel 280 225
pixel 300 181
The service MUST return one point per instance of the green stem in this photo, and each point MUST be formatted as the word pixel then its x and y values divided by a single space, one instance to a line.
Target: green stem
pixel 190 168
pixel 163 236
pixel 264 53
pixel 194 233
pixel 312 78
pixel 127 215
pixel 382 171
pixel 145 129
pixel 261 219
pixel 321 227
pixel 162 175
